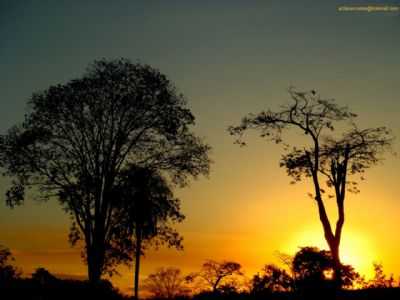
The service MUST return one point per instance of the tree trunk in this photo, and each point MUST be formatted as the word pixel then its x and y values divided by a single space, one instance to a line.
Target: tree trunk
pixel 95 264
pixel 339 173
pixel 95 254
pixel 215 286
pixel 137 261
pixel 337 265
pixel 333 241
pixel 95 240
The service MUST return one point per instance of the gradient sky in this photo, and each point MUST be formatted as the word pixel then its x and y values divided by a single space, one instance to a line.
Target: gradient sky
pixel 228 58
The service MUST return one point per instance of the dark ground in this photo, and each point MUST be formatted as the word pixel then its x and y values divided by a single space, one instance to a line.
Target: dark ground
pixel 24 289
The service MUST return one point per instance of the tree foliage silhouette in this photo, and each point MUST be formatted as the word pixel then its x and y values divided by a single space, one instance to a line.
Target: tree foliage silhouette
pixel 380 280
pixel 148 212
pixel 272 279
pixel 214 273
pixel 166 283
pixel 333 158
pixel 8 272
pixel 43 276
pixel 312 264
pixel 78 137
pixel 314 269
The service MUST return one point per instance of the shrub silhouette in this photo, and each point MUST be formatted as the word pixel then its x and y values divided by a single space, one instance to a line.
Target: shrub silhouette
pixel 314 273
pixel 8 272
pixel 272 279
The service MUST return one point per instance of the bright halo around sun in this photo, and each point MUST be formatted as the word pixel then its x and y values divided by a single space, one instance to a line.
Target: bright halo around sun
pixel 355 249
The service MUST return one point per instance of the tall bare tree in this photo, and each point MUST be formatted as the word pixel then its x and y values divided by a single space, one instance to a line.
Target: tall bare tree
pixel 78 137
pixel 328 160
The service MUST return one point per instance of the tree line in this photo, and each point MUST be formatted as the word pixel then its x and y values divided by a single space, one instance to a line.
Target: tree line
pixel 112 145
pixel 309 273
pixel 306 275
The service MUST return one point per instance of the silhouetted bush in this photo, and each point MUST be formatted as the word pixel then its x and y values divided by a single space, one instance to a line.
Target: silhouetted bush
pixel 8 272
pixel 44 286
pixel 271 280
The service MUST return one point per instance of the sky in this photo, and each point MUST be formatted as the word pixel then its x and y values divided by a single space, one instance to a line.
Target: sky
pixel 228 58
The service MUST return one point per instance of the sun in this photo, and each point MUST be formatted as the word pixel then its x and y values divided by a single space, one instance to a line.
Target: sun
pixel 355 249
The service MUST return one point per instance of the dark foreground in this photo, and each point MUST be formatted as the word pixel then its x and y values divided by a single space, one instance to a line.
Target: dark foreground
pixel 28 289
pixel 25 289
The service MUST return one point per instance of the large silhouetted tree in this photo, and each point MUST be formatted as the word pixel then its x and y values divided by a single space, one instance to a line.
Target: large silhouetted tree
pixel 77 138
pixel 328 160
pixel 148 213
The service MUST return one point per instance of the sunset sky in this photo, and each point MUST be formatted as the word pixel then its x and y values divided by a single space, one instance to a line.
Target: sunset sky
pixel 228 58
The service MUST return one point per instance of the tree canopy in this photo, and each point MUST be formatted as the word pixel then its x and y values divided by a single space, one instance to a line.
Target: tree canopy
pixel 79 137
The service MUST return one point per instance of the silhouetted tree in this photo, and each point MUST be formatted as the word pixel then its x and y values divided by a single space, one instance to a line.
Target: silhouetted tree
pixel 8 272
pixel 314 269
pixel 287 261
pixel 214 273
pixel 148 212
pixel 333 158
pixel 312 264
pixel 45 280
pixel 166 283
pixel 272 279
pixel 78 137
pixel 350 277
pixel 380 280
pixel 43 276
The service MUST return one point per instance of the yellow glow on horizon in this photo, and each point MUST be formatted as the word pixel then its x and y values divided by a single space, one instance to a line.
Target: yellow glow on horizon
pixel 355 249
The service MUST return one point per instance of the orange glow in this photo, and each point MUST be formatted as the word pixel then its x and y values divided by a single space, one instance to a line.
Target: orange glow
pixel 356 249
pixel 328 274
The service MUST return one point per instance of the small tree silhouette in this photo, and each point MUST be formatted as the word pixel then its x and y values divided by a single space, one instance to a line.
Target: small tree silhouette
pixel 312 265
pixel 380 280
pixel 43 276
pixel 166 283
pixel 314 271
pixel 214 273
pixel 272 279
pixel 8 272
